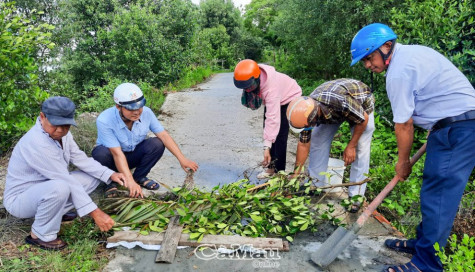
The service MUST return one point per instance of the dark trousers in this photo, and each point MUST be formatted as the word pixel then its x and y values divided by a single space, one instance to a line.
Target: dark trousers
pixel 449 162
pixel 143 158
pixel 278 151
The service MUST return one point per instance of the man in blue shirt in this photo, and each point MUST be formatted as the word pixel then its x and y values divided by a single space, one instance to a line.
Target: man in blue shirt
pixel 427 90
pixel 122 144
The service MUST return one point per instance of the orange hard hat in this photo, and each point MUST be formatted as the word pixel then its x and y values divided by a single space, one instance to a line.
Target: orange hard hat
pixel 302 113
pixel 246 73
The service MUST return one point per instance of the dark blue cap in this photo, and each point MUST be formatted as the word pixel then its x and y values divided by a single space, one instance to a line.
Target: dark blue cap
pixel 59 110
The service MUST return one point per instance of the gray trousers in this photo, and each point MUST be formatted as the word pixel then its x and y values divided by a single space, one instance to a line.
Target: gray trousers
pixel 48 201
pixel 322 137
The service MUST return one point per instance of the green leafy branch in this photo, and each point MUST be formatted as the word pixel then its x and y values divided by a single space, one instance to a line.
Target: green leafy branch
pixel 228 209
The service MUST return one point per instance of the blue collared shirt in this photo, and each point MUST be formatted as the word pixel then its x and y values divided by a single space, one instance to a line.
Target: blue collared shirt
pixel 423 84
pixel 112 131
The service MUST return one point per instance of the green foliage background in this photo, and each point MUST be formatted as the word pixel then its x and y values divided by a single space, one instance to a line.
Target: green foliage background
pixel 20 94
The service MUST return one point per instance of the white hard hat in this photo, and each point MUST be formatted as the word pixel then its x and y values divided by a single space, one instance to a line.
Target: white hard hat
pixel 129 96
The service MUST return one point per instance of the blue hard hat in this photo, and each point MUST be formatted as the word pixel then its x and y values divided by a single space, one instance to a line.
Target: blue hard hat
pixel 369 39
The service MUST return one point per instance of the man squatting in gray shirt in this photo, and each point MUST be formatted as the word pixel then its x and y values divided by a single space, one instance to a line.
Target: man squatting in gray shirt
pixel 38 182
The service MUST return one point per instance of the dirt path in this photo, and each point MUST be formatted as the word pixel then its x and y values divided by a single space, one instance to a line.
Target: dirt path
pixel 224 138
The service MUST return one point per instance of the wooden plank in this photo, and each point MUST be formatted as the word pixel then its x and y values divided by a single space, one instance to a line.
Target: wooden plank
pixel 286 246
pixel 227 241
pixel 167 252
pixel 172 236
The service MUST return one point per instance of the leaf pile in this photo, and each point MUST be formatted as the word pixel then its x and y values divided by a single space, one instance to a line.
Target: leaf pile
pixel 228 209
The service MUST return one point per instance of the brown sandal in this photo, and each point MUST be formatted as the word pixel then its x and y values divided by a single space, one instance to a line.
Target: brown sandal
pixel 111 191
pixel 56 244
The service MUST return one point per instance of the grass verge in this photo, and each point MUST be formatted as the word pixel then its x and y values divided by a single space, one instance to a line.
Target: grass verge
pixel 85 251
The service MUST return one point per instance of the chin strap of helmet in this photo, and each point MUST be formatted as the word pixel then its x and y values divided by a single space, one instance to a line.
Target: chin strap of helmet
pixel 372 82
pixel 386 56
pixel 122 115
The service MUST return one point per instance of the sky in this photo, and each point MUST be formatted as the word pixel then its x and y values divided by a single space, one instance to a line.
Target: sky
pixel 237 3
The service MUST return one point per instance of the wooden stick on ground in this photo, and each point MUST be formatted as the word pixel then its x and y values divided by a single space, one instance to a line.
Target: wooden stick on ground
pixel 167 252
pixel 313 188
pixel 348 184
pixel 257 187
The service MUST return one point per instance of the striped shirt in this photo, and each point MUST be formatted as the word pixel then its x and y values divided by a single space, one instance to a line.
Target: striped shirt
pixel 343 99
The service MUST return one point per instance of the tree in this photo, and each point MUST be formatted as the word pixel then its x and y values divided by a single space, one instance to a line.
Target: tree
pixel 221 12
pixel 212 44
pixel 149 47
pixel 317 34
pixel 145 41
pixel 258 18
pixel 20 96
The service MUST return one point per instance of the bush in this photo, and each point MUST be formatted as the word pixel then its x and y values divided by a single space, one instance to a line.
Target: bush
pixel 460 256
pixel 309 85
pixel 102 97
pixel 445 25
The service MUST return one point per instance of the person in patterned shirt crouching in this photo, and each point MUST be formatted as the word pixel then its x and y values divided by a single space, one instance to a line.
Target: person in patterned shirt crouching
pixel 317 118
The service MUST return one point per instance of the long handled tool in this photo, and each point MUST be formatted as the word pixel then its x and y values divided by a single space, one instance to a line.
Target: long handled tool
pixel 342 237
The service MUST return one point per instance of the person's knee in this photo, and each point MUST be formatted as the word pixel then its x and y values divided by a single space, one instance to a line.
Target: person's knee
pixel 102 154
pixel 60 190
pixel 155 145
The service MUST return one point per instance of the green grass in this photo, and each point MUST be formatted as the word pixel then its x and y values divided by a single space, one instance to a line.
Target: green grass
pixel 193 76
pixel 85 133
pixel 84 253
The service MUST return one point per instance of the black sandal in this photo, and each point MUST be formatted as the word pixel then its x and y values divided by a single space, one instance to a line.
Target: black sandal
pixel 149 184
pixel 69 216
pixel 406 246
pixel 354 207
pixel 409 267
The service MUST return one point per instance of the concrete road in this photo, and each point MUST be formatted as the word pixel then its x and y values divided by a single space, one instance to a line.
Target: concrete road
pixel 212 128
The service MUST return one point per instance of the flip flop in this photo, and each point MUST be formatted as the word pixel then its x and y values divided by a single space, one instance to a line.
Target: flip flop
pixel 56 244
